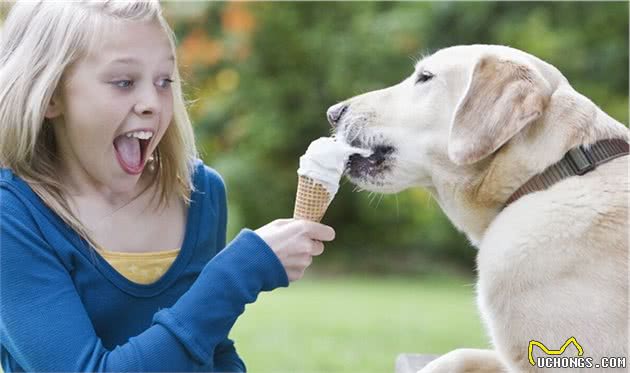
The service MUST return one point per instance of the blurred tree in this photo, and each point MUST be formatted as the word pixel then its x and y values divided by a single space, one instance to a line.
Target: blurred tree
pixel 263 74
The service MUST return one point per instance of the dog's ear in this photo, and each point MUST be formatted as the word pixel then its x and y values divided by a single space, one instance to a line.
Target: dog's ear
pixel 502 97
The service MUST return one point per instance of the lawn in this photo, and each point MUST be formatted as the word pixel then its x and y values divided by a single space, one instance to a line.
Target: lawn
pixel 353 324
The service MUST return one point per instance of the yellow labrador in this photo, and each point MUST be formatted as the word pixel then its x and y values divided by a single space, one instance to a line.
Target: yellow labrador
pixel 473 124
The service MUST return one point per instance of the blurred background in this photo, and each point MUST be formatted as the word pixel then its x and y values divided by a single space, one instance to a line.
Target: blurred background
pixel 399 277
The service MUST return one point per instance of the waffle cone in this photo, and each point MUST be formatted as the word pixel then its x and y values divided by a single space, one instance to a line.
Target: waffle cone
pixel 311 200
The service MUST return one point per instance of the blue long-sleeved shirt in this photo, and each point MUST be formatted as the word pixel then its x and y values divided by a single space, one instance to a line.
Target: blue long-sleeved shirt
pixel 64 308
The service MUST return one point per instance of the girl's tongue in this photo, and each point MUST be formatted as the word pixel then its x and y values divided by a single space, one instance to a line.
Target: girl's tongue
pixel 129 152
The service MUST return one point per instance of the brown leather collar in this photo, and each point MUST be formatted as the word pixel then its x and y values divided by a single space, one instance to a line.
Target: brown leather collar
pixel 576 161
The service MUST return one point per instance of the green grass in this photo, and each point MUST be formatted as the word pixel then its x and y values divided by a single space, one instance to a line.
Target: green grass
pixel 352 324
pixel 356 323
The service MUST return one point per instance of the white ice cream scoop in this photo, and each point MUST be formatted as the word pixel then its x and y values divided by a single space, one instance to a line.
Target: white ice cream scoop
pixel 325 160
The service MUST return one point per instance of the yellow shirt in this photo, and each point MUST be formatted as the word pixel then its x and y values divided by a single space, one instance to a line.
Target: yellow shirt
pixel 142 268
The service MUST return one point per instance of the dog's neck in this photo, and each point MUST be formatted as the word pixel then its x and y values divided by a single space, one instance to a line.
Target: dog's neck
pixel 473 196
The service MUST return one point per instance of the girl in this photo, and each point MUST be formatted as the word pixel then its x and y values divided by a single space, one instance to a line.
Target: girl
pixel 113 254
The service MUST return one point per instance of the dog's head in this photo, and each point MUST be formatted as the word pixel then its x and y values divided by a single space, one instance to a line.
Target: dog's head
pixel 458 107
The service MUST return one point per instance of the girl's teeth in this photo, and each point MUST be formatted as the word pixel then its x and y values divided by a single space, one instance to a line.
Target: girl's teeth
pixel 144 135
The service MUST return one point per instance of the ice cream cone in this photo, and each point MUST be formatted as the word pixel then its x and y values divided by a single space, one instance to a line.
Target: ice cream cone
pixel 311 200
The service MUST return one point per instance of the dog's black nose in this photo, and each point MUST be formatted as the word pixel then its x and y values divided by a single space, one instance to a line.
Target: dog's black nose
pixel 335 113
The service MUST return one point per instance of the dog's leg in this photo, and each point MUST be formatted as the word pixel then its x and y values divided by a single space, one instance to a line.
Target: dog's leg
pixel 466 360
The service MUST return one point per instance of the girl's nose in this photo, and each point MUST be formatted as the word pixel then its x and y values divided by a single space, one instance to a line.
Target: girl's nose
pixel 148 102
pixel 143 109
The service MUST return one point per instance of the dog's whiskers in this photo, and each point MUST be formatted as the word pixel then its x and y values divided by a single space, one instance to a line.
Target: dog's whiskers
pixel 380 199
pixel 375 197
pixel 370 198
pixel 357 132
pixel 432 201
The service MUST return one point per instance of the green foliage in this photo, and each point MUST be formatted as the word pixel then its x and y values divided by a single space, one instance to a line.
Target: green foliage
pixel 280 65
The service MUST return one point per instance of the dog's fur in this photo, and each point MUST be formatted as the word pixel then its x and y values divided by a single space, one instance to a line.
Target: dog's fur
pixel 552 265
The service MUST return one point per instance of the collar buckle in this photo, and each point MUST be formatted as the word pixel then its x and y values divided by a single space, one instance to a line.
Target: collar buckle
pixel 582 160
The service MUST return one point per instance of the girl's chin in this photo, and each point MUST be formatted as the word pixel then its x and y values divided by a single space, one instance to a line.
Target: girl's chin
pixel 124 182
pixel 86 178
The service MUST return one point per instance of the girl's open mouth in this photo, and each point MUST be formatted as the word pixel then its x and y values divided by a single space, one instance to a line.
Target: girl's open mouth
pixel 131 149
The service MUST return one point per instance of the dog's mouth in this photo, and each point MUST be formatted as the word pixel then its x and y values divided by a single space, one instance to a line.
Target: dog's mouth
pixel 367 172
pixel 361 168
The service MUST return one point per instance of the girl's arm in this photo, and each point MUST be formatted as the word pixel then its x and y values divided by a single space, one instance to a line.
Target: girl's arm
pixel 226 359
pixel 45 327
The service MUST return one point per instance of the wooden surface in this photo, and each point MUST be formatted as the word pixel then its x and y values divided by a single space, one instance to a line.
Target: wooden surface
pixel 411 363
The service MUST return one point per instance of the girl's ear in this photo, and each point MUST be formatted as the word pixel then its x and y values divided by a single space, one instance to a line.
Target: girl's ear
pixel 54 108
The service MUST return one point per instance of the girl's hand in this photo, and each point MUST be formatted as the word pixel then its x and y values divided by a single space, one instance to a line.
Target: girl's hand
pixel 295 242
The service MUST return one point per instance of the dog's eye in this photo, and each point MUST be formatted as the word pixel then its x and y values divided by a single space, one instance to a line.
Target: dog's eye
pixel 424 76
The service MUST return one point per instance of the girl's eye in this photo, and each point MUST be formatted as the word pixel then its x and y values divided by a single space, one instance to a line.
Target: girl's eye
pixel 424 76
pixel 165 83
pixel 123 83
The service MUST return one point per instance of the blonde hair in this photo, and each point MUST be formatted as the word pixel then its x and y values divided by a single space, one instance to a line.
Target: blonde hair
pixel 39 40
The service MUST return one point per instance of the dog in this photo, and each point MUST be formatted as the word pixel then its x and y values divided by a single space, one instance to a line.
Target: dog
pixel 473 124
